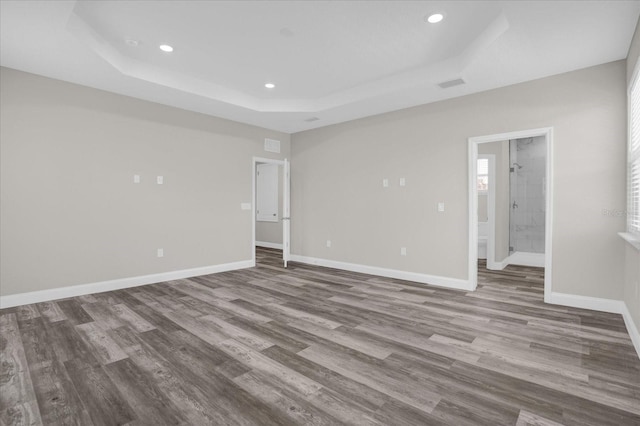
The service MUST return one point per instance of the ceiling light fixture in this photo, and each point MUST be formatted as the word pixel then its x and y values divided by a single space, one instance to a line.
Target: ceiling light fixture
pixel 166 48
pixel 435 18
pixel 269 85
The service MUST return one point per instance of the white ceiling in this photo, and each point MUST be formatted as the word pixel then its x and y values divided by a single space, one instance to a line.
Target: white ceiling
pixel 334 60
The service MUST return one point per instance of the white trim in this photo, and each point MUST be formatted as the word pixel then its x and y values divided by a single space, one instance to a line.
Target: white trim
pixel 630 86
pixel 269 245
pixel 603 305
pixel 267 160
pixel 587 302
pixel 286 212
pixel 102 286
pixel 521 134
pixel 631 328
pixel 548 217
pixel 632 239
pixel 439 281
pixel 499 266
pixel 523 258
pixel 473 214
pixel 547 132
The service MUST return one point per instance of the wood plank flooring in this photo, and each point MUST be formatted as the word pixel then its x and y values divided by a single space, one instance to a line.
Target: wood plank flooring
pixel 316 346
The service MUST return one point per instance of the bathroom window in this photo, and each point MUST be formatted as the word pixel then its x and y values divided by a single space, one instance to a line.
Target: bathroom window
pixel 633 157
pixel 483 175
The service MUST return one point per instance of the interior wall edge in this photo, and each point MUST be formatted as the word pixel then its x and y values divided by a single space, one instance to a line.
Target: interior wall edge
pixel 631 327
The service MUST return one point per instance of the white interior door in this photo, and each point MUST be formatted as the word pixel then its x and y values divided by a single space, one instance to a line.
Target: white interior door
pixel 267 192
pixel 286 215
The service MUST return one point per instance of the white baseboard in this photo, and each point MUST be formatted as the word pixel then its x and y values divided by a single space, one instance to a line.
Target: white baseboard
pixel 269 245
pixel 525 259
pixel 519 258
pixel 586 302
pixel 99 287
pixel 603 305
pixel 497 266
pixel 454 283
pixel 631 328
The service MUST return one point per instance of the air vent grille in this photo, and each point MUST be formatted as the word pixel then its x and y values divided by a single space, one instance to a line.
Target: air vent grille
pixel 451 83
pixel 272 145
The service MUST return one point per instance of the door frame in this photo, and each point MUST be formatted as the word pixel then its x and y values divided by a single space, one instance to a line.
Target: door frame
pixel 547 133
pixel 286 196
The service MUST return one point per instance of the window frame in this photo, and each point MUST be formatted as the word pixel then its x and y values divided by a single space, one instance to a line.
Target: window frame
pixel 478 175
pixel 633 153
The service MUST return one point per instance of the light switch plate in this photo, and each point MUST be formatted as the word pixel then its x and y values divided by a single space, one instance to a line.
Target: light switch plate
pixel 136 178
pixel 160 252
pixel 403 251
pixel 160 180
pixel 328 243
pixel 385 183
pixel 403 182
pixel 440 206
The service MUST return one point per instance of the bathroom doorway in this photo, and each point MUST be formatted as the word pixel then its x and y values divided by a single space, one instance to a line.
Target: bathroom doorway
pixel 521 205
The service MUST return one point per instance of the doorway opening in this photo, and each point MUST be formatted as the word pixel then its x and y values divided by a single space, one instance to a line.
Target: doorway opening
pixel 271 205
pixel 510 202
pixel 486 184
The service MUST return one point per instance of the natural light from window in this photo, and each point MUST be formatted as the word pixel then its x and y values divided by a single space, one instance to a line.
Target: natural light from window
pixel 633 166
pixel 483 175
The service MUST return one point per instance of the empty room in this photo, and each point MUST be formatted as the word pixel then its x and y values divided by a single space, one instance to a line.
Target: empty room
pixel 377 213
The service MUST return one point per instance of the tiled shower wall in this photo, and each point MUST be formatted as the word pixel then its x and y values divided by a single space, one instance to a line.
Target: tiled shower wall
pixel 527 220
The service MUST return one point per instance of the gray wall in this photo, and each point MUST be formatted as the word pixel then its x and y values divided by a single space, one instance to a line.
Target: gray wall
pixel 483 212
pixel 70 213
pixel 501 152
pixel 632 256
pixel 337 174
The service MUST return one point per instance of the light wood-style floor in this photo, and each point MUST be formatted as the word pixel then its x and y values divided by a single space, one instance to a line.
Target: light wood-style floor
pixel 316 346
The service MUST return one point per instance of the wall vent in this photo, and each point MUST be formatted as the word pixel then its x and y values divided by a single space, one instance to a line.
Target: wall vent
pixel 309 120
pixel 272 145
pixel 451 83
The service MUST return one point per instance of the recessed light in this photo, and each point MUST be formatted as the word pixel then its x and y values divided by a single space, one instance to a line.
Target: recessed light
pixel 166 48
pixel 269 85
pixel 286 32
pixel 435 18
